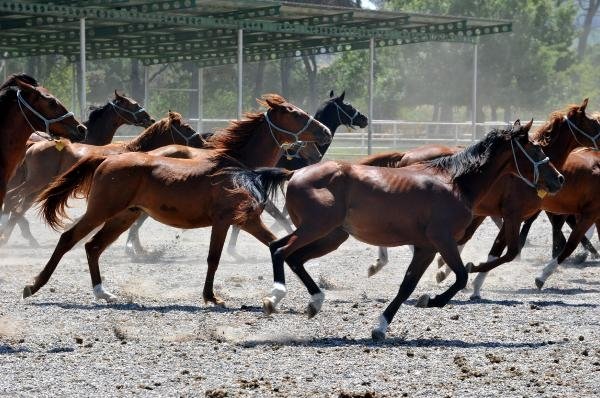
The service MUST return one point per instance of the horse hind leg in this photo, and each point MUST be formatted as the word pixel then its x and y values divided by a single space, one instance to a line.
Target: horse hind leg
pixel 133 246
pixel 445 270
pixel 111 230
pixel 382 260
pixel 231 246
pixel 421 259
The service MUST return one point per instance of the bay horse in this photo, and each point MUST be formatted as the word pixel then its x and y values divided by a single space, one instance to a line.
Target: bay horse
pixel 101 125
pixel 183 193
pixel 44 163
pixel 427 204
pixel 26 108
pixel 333 113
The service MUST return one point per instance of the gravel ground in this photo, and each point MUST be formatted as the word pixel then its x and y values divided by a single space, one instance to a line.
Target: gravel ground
pixel 161 339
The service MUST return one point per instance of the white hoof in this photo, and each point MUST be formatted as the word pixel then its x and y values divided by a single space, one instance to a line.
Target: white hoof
pixel 375 268
pixel 278 292
pixel 101 294
pixel 378 333
pixel 315 304
pixel 422 301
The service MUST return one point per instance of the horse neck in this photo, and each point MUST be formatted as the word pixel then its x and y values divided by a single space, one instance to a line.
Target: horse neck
pixel 475 184
pixel 151 139
pixel 261 150
pixel 558 150
pixel 102 129
pixel 14 133
pixel 332 121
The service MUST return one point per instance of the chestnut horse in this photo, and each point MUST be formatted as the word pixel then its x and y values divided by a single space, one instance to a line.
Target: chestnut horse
pixel 428 205
pixel 44 162
pixel 101 126
pixel 26 108
pixel 183 193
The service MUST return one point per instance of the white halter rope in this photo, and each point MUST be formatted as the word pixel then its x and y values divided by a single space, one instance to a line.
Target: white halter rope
pixel 286 147
pixel 350 123
pixel 572 126
pixel 47 122
pixel 118 108
pixel 183 136
pixel 536 164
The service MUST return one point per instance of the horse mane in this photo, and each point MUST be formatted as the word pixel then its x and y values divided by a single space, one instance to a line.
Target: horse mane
pixel 155 129
pixel 96 113
pixel 19 76
pixel 472 158
pixel 542 135
pixel 231 140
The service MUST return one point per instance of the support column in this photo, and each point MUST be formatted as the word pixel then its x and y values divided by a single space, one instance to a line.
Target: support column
pixel 82 83
pixel 74 100
pixel 4 70
pixel 146 85
pixel 474 101
pixel 199 125
pixel 240 71
pixel 371 87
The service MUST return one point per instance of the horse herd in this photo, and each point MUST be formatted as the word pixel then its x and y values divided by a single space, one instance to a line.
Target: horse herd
pixel 433 197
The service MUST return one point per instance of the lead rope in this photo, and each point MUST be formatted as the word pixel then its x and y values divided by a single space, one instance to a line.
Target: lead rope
pixel 572 126
pixel 536 164
pixel 47 122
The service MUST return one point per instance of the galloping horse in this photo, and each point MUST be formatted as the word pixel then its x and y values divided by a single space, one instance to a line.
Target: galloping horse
pixel 183 193
pixel 26 108
pixel 101 126
pixel 428 205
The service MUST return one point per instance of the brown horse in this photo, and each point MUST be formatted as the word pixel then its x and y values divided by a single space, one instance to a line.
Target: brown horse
pixel 183 193
pixel 26 108
pixel 44 162
pixel 101 127
pixel 428 205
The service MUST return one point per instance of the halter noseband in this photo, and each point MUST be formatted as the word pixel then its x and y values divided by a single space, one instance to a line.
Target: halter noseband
pixel 350 123
pixel 118 108
pixel 536 164
pixel 47 122
pixel 572 126
pixel 287 147
pixel 183 136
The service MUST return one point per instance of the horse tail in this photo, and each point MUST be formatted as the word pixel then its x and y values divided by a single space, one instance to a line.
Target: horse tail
pixel 385 159
pixel 76 180
pixel 262 184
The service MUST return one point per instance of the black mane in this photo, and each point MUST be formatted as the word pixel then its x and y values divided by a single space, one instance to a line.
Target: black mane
pixel 475 156
pixel 96 114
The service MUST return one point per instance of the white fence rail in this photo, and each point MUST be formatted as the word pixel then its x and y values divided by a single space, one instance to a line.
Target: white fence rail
pixel 387 135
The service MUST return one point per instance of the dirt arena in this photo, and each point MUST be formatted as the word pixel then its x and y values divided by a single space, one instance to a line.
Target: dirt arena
pixel 160 339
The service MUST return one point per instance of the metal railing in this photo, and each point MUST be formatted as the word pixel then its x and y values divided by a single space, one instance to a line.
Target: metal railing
pixel 387 135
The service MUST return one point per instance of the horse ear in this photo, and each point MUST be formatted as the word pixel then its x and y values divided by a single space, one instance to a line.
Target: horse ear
pixel 331 94
pixel 272 104
pixel 517 123
pixel 527 127
pixel 117 96
pixel 583 105
pixel 341 97
pixel 22 84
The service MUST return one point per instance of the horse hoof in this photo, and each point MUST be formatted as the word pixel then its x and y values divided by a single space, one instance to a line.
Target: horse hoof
pixel 27 292
pixel 469 267
pixel 539 283
pixel 216 301
pixel 377 335
pixel 423 301
pixel 372 270
pixel 268 307
pixel 475 297
pixel 580 257
pixel 311 311
pixel 440 276
pixel 595 256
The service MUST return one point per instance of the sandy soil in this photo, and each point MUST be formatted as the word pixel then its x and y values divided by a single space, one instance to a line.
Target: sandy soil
pixel 161 339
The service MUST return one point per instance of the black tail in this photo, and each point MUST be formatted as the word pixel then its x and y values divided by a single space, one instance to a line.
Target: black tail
pixel 262 184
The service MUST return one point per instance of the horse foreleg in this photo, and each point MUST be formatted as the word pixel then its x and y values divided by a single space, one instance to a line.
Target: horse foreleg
pixel 558 238
pixel 525 229
pixel 133 246
pixel 419 263
pixel 217 241
pixel 278 216
pixel 381 262
pixel 67 240
pixel 510 228
pixel 585 241
pixel 574 239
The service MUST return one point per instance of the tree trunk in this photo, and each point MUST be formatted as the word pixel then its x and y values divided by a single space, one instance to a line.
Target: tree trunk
pixel 137 80
pixel 193 95
pixel 310 64
pixel 590 12
pixel 285 67
pixel 259 80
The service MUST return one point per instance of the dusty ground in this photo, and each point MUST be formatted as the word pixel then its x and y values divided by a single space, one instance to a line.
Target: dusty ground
pixel 160 339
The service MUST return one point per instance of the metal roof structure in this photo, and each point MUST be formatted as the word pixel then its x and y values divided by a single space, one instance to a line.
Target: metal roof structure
pixel 206 32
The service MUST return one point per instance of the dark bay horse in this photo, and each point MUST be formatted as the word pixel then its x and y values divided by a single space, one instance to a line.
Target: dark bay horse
pixel 101 125
pixel 44 162
pixel 26 108
pixel 427 204
pixel 183 193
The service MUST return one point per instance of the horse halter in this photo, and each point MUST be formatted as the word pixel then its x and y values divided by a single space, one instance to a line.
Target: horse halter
pixel 536 164
pixel 350 123
pixel 572 126
pixel 286 147
pixel 118 108
pixel 47 122
pixel 183 136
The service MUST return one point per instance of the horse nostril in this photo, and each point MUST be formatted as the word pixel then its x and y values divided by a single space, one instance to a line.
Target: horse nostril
pixel 82 129
pixel 561 179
